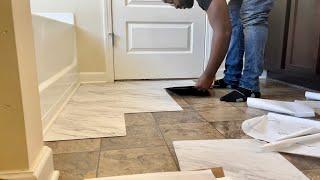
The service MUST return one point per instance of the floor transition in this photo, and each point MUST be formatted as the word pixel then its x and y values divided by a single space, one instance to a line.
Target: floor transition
pixel 148 145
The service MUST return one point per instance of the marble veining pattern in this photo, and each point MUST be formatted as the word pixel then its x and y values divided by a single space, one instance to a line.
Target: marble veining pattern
pixel 241 159
pixel 97 110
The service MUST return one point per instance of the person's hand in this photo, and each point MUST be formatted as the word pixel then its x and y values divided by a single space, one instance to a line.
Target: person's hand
pixel 204 82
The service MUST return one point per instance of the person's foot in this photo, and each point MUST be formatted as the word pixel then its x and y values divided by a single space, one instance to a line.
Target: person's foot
pixel 240 95
pixel 221 84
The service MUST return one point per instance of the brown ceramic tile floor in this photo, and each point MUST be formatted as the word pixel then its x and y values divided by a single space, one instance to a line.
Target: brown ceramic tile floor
pixel 148 146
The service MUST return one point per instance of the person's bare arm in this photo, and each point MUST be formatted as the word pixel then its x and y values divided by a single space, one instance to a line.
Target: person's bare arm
pixel 220 22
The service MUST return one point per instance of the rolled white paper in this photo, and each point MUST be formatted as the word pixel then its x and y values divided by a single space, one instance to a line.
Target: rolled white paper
pixel 312 96
pixel 274 127
pixel 291 108
pixel 280 145
pixel 303 132
pixel 312 104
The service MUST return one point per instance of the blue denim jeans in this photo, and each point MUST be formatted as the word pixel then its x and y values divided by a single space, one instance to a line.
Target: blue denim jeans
pixel 249 20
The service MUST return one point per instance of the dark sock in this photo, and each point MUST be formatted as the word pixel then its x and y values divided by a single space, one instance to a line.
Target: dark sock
pixel 219 84
pixel 240 95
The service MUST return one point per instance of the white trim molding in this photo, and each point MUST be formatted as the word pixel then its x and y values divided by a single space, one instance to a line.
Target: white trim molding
pixel 93 77
pixel 41 170
pixel 56 91
pixel 108 41
pixel 49 118
pixel 46 84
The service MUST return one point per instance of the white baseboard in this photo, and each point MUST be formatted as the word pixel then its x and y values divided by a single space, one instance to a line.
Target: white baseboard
pixel 93 77
pixel 46 84
pixel 56 109
pixel 55 92
pixel 41 170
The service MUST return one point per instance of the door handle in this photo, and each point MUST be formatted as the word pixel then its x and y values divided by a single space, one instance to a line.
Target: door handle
pixel 111 35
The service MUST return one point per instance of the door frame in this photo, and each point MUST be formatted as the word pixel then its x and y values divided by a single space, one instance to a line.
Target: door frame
pixel 208 42
pixel 109 40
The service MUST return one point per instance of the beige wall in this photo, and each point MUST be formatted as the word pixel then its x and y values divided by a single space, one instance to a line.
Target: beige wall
pixel 20 121
pixel 90 29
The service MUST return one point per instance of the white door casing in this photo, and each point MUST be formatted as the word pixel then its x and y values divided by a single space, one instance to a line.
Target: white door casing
pixel 153 40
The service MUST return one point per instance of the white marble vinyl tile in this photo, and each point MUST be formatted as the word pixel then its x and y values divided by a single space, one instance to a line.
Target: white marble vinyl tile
pixel 240 159
pixel 87 120
pixel 187 175
pixel 97 110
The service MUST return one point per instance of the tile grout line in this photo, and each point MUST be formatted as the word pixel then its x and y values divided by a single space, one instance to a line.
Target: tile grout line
pixel 205 121
pixel 199 114
pixel 167 145
pixel 210 123
pixel 99 157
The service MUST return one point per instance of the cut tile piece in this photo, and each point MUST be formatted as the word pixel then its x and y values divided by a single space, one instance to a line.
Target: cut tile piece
pixel 241 159
pixel 135 161
pixel 291 108
pixel 84 122
pixel 187 175
pixel 97 110
pixel 273 127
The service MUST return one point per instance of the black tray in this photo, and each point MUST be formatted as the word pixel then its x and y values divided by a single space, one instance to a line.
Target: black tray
pixel 189 91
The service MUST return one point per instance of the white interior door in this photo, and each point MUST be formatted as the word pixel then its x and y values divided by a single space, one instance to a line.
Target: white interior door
pixel 156 41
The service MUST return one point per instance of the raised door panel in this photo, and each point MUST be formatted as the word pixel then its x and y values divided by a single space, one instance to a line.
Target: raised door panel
pixel 156 41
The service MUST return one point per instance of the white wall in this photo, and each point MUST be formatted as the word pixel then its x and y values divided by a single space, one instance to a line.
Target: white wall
pixel 90 29
pixel 55 45
pixel 56 58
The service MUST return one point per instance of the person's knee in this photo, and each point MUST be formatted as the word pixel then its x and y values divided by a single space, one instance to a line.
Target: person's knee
pixel 256 12
pixel 253 19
